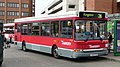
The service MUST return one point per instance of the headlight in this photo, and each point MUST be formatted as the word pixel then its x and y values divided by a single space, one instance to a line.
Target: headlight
pixel 106 45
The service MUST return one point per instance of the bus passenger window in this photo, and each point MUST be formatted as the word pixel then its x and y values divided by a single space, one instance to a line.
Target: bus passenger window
pixel 29 29
pixel 24 29
pixel 18 28
pixel 66 29
pixel 55 28
pixel 35 29
pixel 45 30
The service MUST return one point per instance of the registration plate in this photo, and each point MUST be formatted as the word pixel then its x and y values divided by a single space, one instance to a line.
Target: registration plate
pixel 93 54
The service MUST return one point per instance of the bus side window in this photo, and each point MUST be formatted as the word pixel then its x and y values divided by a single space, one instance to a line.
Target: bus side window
pixel 45 29
pixel 18 28
pixel 55 28
pixel 30 29
pixel 66 29
pixel 35 29
pixel 24 29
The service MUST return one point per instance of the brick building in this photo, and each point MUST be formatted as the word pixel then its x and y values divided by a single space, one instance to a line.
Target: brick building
pixel 12 9
pixel 109 6
pixel 58 6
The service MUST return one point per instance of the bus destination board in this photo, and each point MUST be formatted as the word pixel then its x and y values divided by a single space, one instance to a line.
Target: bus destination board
pixel 91 15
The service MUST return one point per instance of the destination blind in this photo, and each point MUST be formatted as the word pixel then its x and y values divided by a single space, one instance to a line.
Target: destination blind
pixel 91 15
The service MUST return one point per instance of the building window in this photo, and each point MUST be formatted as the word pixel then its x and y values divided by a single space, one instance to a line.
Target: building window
pixel 24 13
pixel 13 13
pixel 1 20
pixel 55 4
pixel 43 12
pixel 14 5
pixel 10 21
pixel 33 1
pixel 2 4
pixel 56 11
pixel 71 6
pixel 24 5
pixel 2 13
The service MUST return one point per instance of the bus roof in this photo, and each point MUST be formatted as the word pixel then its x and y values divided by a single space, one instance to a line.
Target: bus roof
pixel 8 24
pixel 52 16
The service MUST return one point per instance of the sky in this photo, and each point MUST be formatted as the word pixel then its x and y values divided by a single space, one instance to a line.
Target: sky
pixel 41 4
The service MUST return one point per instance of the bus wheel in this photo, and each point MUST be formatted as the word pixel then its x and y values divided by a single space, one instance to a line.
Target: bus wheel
pixel 24 46
pixel 55 52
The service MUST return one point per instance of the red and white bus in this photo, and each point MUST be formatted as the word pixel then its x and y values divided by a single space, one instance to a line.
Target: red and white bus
pixel 72 34
pixel 9 32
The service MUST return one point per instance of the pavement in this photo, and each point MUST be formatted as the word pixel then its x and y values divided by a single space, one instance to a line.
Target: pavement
pixel 111 56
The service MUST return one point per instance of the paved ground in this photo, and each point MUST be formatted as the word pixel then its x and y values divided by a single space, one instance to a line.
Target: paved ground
pixel 14 57
pixel 111 56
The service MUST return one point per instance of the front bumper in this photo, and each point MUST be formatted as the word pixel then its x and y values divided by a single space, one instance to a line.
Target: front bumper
pixel 90 53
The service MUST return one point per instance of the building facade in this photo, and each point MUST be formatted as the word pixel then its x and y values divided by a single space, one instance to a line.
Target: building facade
pixel 33 7
pixel 58 6
pixel 12 9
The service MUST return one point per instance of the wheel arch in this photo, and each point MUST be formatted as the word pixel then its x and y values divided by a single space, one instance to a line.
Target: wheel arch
pixel 53 46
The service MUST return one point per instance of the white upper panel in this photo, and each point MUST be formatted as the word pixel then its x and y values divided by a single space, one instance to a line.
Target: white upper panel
pixel 54 16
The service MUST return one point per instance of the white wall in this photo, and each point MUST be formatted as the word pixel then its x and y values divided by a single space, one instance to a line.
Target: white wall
pixel 72 2
pixel 118 0
pixel 81 5
pixel 40 5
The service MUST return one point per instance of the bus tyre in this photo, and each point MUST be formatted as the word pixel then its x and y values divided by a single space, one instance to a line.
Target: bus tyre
pixel 55 52
pixel 24 46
